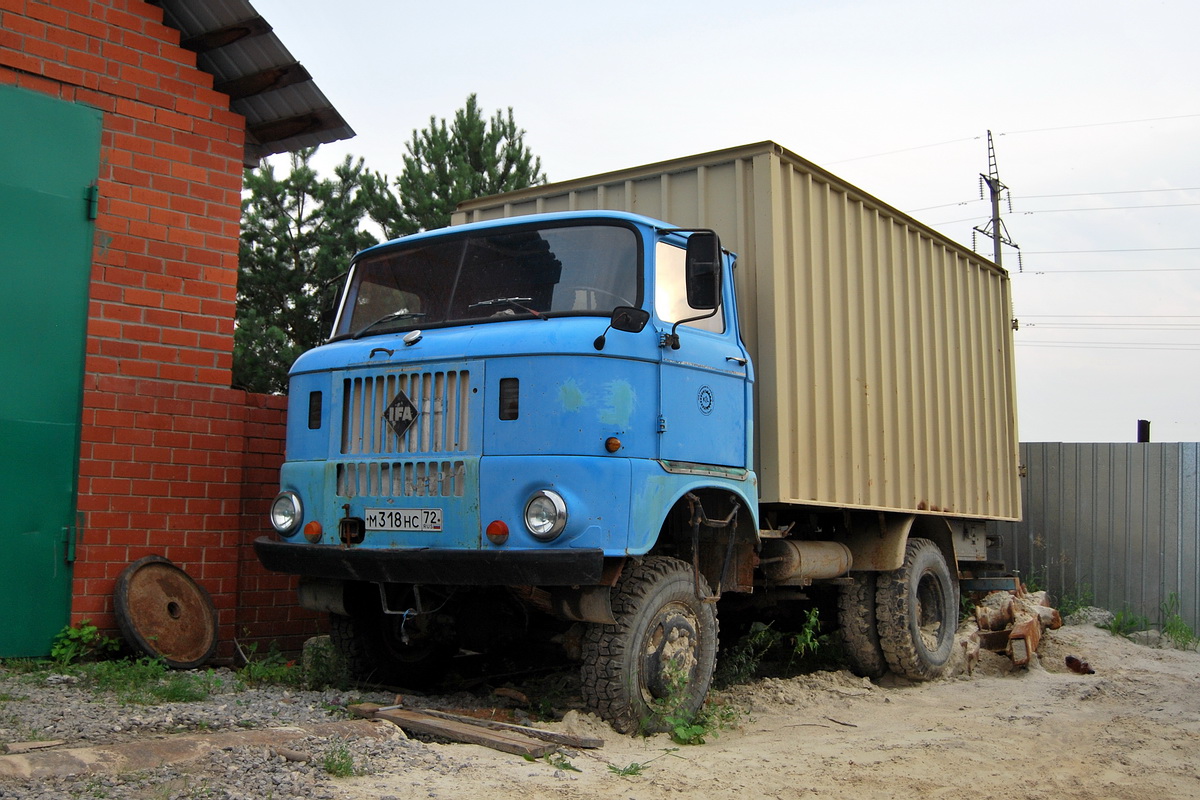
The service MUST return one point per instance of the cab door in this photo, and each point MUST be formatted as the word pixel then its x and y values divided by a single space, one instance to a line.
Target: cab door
pixel 703 389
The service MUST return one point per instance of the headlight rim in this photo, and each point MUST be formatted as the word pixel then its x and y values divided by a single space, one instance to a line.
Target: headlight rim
pixel 559 505
pixel 297 515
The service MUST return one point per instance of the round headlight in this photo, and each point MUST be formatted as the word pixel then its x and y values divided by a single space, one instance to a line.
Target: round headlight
pixel 545 514
pixel 286 513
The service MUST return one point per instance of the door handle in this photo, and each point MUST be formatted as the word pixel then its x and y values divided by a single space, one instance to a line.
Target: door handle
pixel 737 360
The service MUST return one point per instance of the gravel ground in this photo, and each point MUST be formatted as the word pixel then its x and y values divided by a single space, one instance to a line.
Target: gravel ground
pixel 42 706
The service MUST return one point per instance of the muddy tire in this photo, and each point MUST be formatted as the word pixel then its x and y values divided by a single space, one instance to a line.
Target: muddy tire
pixel 658 659
pixel 378 648
pixel 860 632
pixel 917 612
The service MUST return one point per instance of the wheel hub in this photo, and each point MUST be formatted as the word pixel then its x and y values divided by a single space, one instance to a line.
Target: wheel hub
pixel 669 654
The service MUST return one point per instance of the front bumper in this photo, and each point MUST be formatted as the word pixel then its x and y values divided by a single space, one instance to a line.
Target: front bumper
pixel 563 567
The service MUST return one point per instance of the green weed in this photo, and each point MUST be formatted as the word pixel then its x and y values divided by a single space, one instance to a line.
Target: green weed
pixel 339 762
pixel 1125 622
pixel 273 668
pixel 803 650
pixel 636 768
pixel 1072 600
pixel 556 760
pixel 84 643
pixel 1174 627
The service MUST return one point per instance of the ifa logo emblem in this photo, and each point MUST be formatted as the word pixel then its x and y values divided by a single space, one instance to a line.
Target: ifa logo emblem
pixel 401 414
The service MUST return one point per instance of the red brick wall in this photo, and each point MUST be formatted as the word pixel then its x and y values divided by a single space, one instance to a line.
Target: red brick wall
pixel 172 461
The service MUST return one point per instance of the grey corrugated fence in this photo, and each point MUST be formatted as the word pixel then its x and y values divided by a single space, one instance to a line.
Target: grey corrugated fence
pixel 1121 521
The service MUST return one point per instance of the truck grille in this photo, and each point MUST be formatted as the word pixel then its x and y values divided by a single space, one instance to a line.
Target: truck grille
pixel 442 413
pixel 401 479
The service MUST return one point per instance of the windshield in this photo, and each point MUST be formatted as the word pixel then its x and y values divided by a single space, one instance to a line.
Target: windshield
pixel 493 275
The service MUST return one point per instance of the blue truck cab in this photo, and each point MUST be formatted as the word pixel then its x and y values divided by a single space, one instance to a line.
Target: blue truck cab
pixel 553 410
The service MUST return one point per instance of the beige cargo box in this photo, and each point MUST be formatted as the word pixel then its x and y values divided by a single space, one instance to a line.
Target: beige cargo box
pixel 883 351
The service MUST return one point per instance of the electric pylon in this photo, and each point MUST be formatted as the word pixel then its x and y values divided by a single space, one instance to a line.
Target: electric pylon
pixel 995 229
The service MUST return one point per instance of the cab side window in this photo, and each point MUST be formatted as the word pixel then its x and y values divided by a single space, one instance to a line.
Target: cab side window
pixel 670 292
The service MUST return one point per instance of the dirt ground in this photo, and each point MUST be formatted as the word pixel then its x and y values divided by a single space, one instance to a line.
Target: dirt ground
pixel 1131 730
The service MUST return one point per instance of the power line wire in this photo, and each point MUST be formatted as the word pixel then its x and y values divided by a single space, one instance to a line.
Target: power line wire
pixel 1099 124
pixel 1127 250
pixel 1036 271
pixel 1159 346
pixel 1100 208
pixel 1115 191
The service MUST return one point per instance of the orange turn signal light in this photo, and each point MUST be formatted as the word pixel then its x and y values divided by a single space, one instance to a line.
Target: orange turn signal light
pixel 612 444
pixel 312 532
pixel 497 532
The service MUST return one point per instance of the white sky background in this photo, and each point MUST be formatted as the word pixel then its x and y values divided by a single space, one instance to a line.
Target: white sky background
pixel 1098 100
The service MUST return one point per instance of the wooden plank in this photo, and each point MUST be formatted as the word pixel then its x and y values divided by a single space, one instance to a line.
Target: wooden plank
pixel 504 741
pixel 565 739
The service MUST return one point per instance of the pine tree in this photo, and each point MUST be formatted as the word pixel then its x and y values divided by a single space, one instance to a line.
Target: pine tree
pixel 298 235
pixel 446 165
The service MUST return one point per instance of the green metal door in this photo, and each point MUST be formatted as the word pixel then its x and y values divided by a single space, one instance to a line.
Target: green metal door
pixel 49 161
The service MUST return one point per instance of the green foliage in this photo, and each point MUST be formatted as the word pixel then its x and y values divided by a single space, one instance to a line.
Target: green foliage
pixel 1125 622
pixel 556 760
pixel 339 761
pixel 1035 581
pixel 1174 627
pixel 298 234
pixel 1072 600
pixel 741 662
pixel 148 681
pixel 807 648
pixel 300 230
pixel 73 645
pixel 446 165
pixel 635 769
pixel 684 726
pixel 273 668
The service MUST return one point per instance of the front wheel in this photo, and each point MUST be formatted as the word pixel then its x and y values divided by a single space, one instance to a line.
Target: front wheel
pixel 656 663
pixel 917 612
pixel 411 650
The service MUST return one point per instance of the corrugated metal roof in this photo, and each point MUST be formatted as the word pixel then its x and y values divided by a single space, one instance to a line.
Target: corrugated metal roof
pixel 283 107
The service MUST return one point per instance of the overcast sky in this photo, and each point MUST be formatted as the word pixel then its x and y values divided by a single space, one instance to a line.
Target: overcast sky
pixel 1094 107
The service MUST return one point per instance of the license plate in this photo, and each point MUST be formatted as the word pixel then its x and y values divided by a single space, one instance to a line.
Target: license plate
pixel 404 519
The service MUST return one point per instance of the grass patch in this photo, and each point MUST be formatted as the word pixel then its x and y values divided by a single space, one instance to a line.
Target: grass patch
pixel 1072 600
pixel 149 681
pixel 1125 622
pixel 271 669
pixel 1174 627
pixel 339 762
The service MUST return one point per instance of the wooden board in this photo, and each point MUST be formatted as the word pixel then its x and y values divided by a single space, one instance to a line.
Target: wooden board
pixel 504 741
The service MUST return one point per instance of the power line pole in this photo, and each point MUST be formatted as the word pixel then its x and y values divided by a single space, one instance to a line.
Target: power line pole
pixel 995 229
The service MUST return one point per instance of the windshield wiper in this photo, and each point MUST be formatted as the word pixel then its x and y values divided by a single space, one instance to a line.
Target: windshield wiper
pixel 395 315
pixel 510 301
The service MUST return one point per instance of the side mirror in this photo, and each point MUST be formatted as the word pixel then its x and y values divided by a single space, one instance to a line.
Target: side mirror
pixel 630 319
pixel 624 318
pixel 703 270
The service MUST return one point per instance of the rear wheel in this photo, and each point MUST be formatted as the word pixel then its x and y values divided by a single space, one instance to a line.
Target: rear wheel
pixel 860 632
pixel 657 661
pixel 917 611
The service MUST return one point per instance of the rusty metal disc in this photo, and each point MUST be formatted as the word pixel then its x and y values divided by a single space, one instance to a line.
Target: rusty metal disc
pixel 163 612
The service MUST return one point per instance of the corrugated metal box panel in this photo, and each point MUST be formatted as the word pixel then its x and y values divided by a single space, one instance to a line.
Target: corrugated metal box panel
pixel 883 352
pixel 1118 521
